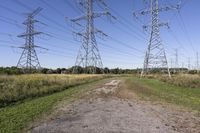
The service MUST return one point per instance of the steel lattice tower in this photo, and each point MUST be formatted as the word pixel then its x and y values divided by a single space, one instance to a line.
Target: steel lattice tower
pixel 29 59
pixel 155 56
pixel 197 58
pixel 89 56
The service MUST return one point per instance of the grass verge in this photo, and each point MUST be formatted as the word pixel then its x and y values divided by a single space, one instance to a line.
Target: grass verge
pixel 15 88
pixel 13 119
pixel 153 89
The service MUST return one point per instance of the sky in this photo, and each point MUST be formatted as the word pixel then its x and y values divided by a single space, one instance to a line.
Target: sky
pixel 127 41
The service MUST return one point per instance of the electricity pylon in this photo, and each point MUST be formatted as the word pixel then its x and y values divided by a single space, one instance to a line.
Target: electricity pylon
pixel 176 56
pixel 176 67
pixel 189 65
pixel 29 59
pixel 88 56
pixel 197 61
pixel 155 56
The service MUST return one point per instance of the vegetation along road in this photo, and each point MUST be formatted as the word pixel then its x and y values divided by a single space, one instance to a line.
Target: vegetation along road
pixel 111 104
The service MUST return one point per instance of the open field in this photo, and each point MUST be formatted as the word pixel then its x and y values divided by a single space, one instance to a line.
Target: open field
pixel 15 88
pixel 57 103
pixel 183 80
pixel 114 107
pixel 154 89
pixel 16 117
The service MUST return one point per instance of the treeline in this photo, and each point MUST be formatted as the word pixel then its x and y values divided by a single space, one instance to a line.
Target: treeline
pixel 79 70
pixel 11 70
pixel 173 71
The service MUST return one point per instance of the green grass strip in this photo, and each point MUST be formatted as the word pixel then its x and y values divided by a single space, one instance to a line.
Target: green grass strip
pixel 153 89
pixel 14 118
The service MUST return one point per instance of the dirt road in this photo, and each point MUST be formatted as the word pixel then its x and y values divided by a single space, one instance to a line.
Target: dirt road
pixel 112 109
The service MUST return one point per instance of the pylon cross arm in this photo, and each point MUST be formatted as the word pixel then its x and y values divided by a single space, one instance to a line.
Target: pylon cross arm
pixel 161 9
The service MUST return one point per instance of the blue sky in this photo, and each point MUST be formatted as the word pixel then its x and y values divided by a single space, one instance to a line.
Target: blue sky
pixel 118 51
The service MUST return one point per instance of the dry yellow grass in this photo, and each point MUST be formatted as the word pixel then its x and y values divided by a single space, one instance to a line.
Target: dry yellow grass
pixel 18 87
pixel 183 80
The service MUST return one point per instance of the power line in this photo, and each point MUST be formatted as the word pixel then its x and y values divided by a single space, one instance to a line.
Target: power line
pixel 186 31
pixel 72 6
pixel 118 50
pixel 115 40
pixel 129 33
pixel 119 42
pixel 48 49
pixel 10 10
pixel 61 27
pixel 51 34
pixel 124 44
pixel 126 23
pixel 3 45
pixel 52 7
pixel 10 22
